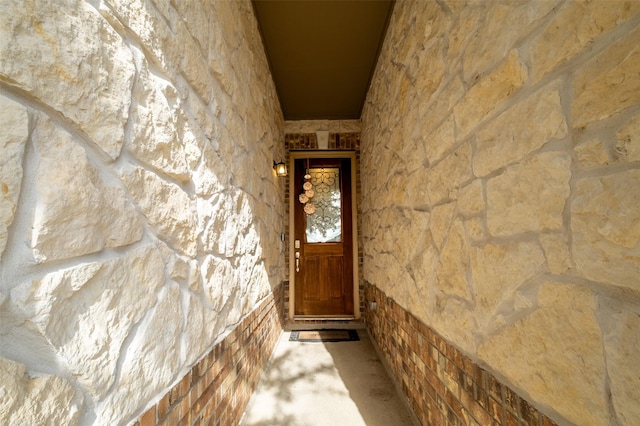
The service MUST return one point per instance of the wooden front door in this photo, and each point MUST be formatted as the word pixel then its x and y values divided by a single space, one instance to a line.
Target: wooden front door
pixel 323 237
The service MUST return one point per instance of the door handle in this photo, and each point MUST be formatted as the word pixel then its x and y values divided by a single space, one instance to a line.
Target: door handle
pixel 297 261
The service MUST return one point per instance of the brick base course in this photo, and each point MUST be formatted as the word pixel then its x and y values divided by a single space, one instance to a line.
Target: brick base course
pixel 217 389
pixel 443 386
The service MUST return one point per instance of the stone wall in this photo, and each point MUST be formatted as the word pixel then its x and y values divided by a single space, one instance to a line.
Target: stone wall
pixel 442 385
pixel 140 215
pixel 501 173
pixel 217 389
pixel 331 126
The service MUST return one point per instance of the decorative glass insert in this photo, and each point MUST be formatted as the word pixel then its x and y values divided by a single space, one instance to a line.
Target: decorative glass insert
pixel 324 225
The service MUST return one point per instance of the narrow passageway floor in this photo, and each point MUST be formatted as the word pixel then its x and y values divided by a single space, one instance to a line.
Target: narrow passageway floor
pixel 334 383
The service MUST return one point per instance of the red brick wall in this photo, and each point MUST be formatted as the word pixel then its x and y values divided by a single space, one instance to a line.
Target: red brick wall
pixel 443 386
pixel 217 389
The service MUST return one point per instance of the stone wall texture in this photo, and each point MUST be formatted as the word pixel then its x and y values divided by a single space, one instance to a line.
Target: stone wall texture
pixel 139 212
pixel 217 389
pixel 501 186
pixel 442 385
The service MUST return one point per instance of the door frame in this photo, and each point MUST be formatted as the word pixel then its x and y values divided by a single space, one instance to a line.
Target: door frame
pixel 351 155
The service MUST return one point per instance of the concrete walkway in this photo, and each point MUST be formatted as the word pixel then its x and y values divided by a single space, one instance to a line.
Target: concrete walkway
pixel 333 384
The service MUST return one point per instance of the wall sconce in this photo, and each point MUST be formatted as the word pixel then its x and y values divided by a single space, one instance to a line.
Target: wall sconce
pixel 280 168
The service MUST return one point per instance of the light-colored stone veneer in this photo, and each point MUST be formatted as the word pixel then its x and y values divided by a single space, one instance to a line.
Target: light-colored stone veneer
pixel 12 142
pixel 553 374
pixel 523 119
pixel 40 400
pixel 331 126
pixel 139 212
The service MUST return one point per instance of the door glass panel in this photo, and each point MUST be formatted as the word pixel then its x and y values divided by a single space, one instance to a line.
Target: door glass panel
pixel 324 225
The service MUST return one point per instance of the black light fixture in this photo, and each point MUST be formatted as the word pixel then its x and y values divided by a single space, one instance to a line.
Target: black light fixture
pixel 280 168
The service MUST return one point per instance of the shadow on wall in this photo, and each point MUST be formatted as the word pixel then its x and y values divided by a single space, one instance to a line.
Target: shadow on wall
pixel 148 203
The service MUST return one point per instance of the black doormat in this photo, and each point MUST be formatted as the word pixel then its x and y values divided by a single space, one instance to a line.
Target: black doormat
pixel 324 336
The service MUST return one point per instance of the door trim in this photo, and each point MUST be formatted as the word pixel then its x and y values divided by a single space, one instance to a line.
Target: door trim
pixel 351 155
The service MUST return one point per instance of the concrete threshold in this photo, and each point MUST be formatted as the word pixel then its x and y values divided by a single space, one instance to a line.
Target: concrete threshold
pixel 326 383
pixel 343 325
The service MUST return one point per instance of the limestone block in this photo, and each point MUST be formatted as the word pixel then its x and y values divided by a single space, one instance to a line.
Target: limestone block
pixel 489 92
pixel 471 198
pixel 592 153
pixel 148 27
pixel 440 141
pixel 244 177
pixel 609 82
pixel 150 363
pixel 621 347
pixel 218 280
pixel 460 34
pixel 239 235
pixel 192 62
pixel 628 146
pixel 346 126
pixel 488 46
pixel 430 69
pixel 14 123
pixel 404 40
pixel 77 212
pixel 258 285
pixel 218 59
pixel 414 295
pixel 498 270
pixel 166 41
pixel 197 18
pixel 446 176
pixel 475 229
pixel 422 266
pixel 530 196
pixel 416 192
pixel 387 217
pixel 155 140
pixel 205 116
pixel 556 354
pixel 557 252
pixel 229 20
pixel 65 55
pixel 415 232
pixel 224 144
pixel 433 113
pixel 248 239
pixel 178 268
pixel 166 206
pixel 399 222
pixel 454 264
pixel 441 219
pixel 453 319
pixel 202 327
pixel 519 131
pixel 412 148
pixel 605 222
pixel 194 278
pixel 393 272
pixel 575 28
pixel 30 399
pixel 396 191
pixel 87 311
pixel 306 126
